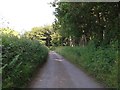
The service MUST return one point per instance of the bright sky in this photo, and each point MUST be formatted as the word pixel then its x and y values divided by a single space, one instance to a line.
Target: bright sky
pixel 22 15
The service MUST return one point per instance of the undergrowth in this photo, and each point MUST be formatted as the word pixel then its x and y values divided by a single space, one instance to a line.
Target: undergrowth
pixel 101 62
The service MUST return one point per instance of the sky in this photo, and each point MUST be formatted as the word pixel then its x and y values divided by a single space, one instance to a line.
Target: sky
pixel 22 15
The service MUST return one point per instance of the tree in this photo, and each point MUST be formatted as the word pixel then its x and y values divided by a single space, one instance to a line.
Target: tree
pixel 42 34
pixel 95 21
pixel 9 32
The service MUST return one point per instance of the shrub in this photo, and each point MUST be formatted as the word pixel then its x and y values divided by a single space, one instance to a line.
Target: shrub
pixel 20 57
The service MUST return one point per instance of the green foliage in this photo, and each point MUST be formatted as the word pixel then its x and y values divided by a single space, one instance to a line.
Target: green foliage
pixel 102 63
pixel 97 21
pixel 9 32
pixel 45 35
pixel 20 57
pixel 55 39
pixel 42 34
pixel 97 24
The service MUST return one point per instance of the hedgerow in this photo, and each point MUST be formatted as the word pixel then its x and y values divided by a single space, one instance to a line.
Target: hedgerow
pixel 20 57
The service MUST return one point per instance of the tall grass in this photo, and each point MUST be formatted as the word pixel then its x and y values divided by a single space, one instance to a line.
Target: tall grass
pixel 20 57
pixel 102 62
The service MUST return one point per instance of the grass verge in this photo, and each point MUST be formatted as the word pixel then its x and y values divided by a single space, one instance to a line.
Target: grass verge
pixel 101 63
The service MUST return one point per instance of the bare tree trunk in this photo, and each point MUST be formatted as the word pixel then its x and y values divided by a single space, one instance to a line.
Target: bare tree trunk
pixel 83 40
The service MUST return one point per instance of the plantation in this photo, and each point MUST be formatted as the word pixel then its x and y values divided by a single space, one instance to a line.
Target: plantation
pixel 101 63
pixel 20 57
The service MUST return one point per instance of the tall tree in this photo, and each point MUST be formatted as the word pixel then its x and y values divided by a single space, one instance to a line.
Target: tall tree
pixel 96 21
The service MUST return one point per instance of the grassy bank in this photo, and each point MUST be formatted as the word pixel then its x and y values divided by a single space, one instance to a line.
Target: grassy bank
pixel 101 63
pixel 20 57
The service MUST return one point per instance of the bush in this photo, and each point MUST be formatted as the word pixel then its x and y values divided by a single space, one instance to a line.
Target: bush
pixel 100 62
pixel 20 57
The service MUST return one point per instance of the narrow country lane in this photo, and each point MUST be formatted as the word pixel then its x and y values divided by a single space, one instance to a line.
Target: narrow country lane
pixel 59 73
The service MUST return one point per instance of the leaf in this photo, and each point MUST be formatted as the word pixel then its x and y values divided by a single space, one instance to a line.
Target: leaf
pixel 14 60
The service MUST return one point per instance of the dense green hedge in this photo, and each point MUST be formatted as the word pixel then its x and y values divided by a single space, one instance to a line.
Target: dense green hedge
pixel 100 62
pixel 20 57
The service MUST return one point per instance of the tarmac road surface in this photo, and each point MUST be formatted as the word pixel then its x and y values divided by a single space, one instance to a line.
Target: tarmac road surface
pixel 60 73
